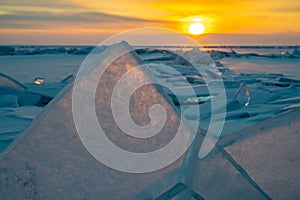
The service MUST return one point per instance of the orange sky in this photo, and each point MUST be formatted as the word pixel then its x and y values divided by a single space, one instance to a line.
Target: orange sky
pixel 89 22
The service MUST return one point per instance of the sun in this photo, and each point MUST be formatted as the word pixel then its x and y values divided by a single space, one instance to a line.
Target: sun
pixel 196 28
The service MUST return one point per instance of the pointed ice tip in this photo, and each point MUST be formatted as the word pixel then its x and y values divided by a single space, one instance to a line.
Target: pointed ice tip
pixel 124 42
pixel 121 46
pixel 98 57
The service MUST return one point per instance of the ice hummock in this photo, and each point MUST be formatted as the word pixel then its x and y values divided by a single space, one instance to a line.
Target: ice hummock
pixel 267 78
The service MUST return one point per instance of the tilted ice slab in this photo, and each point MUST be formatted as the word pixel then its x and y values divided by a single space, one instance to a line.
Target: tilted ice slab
pixel 50 161
pixel 287 92
pixel 292 100
pixel 9 86
pixel 269 152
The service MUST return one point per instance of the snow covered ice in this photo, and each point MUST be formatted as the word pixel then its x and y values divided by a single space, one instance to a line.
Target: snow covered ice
pixel 261 87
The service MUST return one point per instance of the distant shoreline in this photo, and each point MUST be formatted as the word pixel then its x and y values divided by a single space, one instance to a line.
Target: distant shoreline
pixel 282 51
pixel 175 46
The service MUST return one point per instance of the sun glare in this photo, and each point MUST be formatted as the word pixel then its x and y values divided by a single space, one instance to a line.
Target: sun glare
pixel 196 28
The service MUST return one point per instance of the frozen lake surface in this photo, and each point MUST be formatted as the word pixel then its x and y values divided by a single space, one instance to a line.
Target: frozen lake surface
pixel 273 83
pixel 286 66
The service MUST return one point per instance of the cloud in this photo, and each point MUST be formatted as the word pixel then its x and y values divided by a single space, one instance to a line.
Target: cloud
pixel 63 14
pixel 46 19
pixel 295 9
pixel 43 3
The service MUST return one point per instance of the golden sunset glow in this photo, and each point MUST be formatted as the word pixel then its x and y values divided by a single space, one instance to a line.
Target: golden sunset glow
pixel 196 27
pixel 77 22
